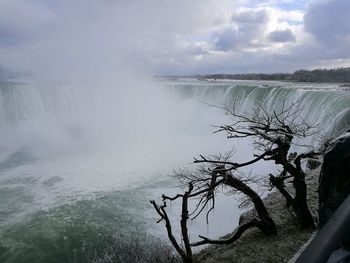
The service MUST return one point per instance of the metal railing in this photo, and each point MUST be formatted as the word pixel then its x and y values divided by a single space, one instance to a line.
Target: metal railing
pixel 330 237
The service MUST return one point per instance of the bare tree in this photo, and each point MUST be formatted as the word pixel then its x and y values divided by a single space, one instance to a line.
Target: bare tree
pixel 274 134
pixel 202 186
pixel 208 179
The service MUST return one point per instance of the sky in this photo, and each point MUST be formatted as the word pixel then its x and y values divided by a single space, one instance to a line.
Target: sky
pixel 168 37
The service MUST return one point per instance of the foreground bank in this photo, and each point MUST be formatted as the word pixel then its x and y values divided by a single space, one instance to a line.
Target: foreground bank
pixel 254 246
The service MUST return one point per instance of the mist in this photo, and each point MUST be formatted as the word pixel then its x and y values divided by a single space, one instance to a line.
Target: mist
pixel 96 58
pixel 77 40
pixel 86 113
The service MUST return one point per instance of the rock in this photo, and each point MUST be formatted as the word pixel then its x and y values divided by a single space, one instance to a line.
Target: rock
pixel 334 183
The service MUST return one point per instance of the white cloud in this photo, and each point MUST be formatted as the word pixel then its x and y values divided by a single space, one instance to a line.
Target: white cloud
pixel 170 37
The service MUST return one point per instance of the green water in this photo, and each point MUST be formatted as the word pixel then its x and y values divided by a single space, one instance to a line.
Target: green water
pixel 75 232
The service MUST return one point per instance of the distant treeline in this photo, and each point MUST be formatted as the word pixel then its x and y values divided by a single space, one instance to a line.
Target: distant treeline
pixel 318 75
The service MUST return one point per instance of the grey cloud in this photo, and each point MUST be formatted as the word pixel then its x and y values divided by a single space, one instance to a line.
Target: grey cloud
pixel 226 39
pixel 21 21
pixel 328 21
pixel 8 38
pixel 281 36
pixel 250 17
pixel 304 55
pixel 64 34
pixel 247 25
pixel 159 36
pixel 250 23
pixel 238 62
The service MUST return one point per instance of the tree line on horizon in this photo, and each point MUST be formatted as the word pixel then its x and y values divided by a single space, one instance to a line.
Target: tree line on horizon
pixel 318 75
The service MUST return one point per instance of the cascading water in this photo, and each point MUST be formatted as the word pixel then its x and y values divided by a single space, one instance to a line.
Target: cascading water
pixel 327 104
pixel 79 164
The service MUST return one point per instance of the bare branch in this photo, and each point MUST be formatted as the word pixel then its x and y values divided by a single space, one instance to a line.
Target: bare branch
pixel 233 165
pixel 186 254
pixel 161 211
pixel 238 233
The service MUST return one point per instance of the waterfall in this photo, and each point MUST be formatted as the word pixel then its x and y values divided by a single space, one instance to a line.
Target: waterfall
pixel 326 104
pixel 78 163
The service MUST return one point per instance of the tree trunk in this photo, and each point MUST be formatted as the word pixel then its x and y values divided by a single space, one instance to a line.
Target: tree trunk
pixel 300 203
pixel 187 257
pixel 268 226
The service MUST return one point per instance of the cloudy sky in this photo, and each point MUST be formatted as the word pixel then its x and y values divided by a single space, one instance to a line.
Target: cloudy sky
pixel 174 37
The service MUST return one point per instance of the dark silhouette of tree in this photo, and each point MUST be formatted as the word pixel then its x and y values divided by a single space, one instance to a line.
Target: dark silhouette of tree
pixel 273 133
pixel 221 176
pixel 203 183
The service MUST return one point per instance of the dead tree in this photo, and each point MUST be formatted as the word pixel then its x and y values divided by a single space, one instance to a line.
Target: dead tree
pixel 263 222
pixel 274 134
pixel 208 179
pixel 186 252
pixel 203 184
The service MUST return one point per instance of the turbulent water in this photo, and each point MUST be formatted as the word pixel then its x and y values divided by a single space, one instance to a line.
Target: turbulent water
pixel 78 163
